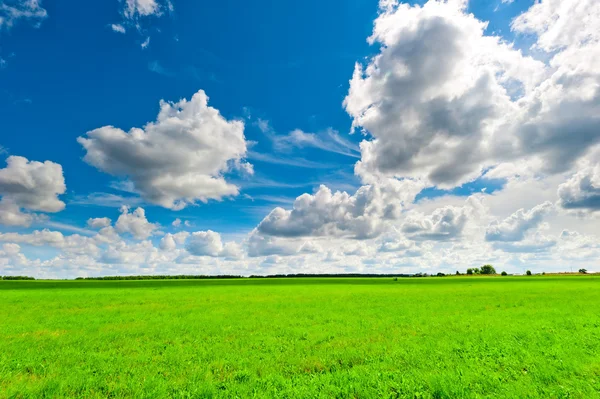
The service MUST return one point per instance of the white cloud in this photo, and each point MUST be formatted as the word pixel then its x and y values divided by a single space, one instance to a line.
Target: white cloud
pixel 179 159
pixel 443 224
pixel 328 140
pixel 582 190
pixel 11 11
pixel 209 243
pixel 32 186
pixel 432 97
pixel 514 227
pixel 135 223
pixel 118 28
pixel 141 8
pixel 561 23
pixel 167 243
pixel 98 223
pixel 362 215
pixel 145 43
pixel 442 100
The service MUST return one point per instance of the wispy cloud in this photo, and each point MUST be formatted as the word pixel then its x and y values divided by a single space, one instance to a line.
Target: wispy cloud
pixel 296 162
pixel 105 199
pixel 68 227
pixel 327 140
pixel 156 67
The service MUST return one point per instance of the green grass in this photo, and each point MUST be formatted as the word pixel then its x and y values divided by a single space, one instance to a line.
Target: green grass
pixel 458 337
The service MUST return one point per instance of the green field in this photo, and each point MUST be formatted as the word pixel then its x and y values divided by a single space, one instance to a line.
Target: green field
pixel 452 337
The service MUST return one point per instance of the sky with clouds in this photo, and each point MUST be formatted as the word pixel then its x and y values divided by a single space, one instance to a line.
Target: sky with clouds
pixel 196 137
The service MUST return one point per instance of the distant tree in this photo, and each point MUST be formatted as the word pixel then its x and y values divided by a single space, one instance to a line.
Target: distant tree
pixel 582 271
pixel 469 271
pixel 457 273
pixel 476 270
pixel 440 274
pixel 488 269
pixel 504 274
pixel 528 272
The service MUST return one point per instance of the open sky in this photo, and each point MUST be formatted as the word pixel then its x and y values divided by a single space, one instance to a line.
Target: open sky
pixel 260 137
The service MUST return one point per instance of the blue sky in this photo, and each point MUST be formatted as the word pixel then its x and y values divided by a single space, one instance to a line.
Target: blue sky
pixel 276 66
pixel 285 62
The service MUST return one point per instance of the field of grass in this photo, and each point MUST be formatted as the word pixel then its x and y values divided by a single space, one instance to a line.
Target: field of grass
pixel 453 337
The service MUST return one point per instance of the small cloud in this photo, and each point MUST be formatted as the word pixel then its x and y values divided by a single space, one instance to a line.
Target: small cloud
pixel 146 43
pixel 118 28
pixel 154 66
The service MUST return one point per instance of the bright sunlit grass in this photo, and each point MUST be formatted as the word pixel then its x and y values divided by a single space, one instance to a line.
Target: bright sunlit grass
pixel 514 337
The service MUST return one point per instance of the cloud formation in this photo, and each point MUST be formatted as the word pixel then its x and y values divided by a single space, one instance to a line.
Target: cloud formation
pixel 582 190
pixel 176 161
pixel 135 223
pixel 362 215
pixel 514 227
pixel 443 101
pixel 12 11
pixel 30 186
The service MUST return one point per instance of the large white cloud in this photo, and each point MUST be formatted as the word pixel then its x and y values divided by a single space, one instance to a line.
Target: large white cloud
pixel 179 159
pixel 432 97
pixel 362 215
pixel 11 11
pixel 32 186
pixel 442 100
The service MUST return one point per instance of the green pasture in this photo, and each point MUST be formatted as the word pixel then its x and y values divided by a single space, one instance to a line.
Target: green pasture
pixel 450 337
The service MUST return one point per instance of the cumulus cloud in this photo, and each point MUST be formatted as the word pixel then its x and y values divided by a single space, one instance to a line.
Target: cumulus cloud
pixel 179 159
pixel 432 96
pixel 136 8
pixel 514 227
pixel 135 223
pixel 98 223
pixel 209 243
pixel 12 11
pixel 444 101
pixel 362 215
pixel 31 186
pixel 443 224
pixel 582 190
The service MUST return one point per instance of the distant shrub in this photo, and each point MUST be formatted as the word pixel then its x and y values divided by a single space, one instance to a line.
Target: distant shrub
pixel 488 269
pixel 582 271
pixel 440 275
pixel 17 278
pixel 469 271
pixel 457 273
pixel 395 278
pixel 159 277
pixel 504 274
pixel 543 273
pixel 528 272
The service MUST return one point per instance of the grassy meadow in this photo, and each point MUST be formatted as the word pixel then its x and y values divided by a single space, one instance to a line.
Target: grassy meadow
pixel 451 337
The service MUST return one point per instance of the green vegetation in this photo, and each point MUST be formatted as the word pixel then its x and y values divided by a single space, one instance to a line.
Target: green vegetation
pixel 488 269
pixel 16 278
pixel 452 337
pixel 504 274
